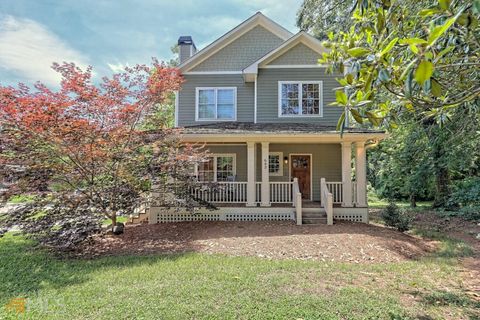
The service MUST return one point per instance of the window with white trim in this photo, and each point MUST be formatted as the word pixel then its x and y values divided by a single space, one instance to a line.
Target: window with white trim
pixel 216 104
pixel 219 167
pixel 275 164
pixel 300 98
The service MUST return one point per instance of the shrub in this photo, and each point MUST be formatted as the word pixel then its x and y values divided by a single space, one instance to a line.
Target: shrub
pixel 395 217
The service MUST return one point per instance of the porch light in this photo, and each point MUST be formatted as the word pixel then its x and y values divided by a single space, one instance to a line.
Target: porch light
pixel 285 160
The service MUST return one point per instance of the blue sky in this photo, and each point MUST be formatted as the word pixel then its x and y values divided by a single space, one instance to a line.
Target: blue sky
pixel 109 34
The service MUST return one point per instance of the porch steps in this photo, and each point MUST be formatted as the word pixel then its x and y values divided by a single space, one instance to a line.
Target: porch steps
pixel 314 216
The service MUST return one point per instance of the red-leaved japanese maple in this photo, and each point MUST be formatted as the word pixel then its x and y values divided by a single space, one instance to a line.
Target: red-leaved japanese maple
pixel 84 142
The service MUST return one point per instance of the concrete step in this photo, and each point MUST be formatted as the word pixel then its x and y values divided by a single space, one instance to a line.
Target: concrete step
pixel 313 210
pixel 314 220
pixel 314 215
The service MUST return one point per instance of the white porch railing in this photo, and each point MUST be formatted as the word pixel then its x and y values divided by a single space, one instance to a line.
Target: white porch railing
pixel 336 189
pixel 225 192
pixel 258 192
pixel 281 192
pixel 327 200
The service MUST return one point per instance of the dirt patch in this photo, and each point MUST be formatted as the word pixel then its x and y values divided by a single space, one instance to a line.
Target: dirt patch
pixel 342 242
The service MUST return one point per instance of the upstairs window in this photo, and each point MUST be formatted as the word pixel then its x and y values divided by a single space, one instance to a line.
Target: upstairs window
pixel 300 99
pixel 216 104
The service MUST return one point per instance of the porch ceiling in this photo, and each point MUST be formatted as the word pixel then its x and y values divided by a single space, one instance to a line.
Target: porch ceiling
pixel 276 132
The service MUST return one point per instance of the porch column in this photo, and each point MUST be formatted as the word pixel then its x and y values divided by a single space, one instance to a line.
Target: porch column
pixel 347 174
pixel 361 173
pixel 265 176
pixel 251 174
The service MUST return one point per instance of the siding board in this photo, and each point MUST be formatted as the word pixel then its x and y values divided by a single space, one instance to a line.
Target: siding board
pixel 267 94
pixel 186 98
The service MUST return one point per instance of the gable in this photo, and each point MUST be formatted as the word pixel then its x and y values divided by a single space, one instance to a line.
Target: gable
pixel 298 55
pixel 241 52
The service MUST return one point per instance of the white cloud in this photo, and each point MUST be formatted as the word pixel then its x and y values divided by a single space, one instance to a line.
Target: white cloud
pixel 117 67
pixel 28 48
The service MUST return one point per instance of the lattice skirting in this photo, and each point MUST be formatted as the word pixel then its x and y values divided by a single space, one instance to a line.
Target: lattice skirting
pixel 351 214
pixel 225 214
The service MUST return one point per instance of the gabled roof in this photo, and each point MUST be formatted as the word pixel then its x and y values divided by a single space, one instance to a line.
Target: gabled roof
pixel 301 37
pixel 255 20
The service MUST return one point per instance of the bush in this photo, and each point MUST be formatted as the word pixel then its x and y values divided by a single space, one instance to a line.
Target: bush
pixel 397 218
pixel 466 196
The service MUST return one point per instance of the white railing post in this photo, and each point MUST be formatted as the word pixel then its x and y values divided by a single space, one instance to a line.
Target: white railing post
pixel 265 176
pixel 360 194
pixel 327 201
pixel 298 208
pixel 251 186
pixel 347 174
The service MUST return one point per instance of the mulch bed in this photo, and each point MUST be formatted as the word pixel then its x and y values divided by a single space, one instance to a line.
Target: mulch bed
pixel 342 242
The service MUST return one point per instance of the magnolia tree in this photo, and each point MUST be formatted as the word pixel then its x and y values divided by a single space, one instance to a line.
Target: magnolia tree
pixel 83 150
pixel 410 60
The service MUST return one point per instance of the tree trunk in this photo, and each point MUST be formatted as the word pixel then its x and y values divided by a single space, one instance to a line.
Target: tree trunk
pixel 113 217
pixel 413 200
pixel 440 167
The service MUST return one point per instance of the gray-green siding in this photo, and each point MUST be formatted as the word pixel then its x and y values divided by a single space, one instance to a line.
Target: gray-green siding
pixel 186 100
pixel 326 161
pixel 242 52
pixel 300 54
pixel 267 94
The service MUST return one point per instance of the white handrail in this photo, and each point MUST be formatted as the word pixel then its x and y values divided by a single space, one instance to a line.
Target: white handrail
pixel 297 201
pixel 327 201
pixel 281 192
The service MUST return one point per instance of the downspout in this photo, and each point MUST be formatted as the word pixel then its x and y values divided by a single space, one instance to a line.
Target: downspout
pixel 255 101
pixel 176 108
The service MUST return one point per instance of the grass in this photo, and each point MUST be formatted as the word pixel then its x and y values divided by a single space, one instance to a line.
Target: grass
pixel 200 286
pixel 21 198
pixel 375 202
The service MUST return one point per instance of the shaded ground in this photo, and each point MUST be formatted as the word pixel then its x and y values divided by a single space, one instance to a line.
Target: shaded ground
pixel 343 242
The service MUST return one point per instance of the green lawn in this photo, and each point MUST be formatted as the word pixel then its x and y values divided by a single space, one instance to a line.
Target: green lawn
pixel 200 286
pixel 375 202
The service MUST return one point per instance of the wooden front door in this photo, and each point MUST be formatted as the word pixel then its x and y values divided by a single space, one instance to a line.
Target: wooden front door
pixel 300 169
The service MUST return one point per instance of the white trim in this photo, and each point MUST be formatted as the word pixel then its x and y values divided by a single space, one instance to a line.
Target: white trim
pixel 311 169
pixel 280 167
pixel 215 156
pixel 176 108
pixel 292 66
pixel 210 72
pixel 311 137
pixel 300 93
pixel 255 20
pixel 197 89
pixel 255 101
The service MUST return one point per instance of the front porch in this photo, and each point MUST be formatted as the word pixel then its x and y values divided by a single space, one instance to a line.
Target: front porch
pixel 278 172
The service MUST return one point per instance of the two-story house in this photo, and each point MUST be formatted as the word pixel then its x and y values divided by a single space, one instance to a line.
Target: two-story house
pixel 259 99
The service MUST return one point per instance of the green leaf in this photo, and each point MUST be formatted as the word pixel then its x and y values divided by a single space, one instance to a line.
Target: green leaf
pixel 444 4
pixel 409 84
pixel 356 115
pixel 376 121
pixel 413 48
pixel 444 52
pixel 384 75
pixel 428 12
pixel 476 6
pixel 436 88
pixel 438 31
pixel 358 52
pixel 413 41
pixel 424 71
pixel 341 98
pixel 389 47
